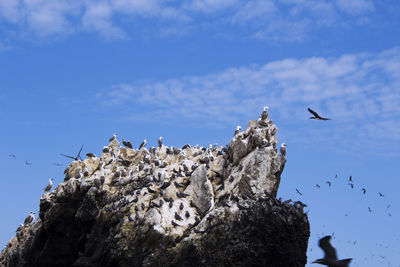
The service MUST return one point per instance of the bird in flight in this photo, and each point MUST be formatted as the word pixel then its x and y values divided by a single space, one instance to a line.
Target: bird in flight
pixel 369 209
pixel 74 158
pixel 317 185
pixel 352 185
pixel 381 195
pixel 330 257
pixel 316 116
pixel 364 191
pixel 298 192
pixel 28 163
pixel 329 183
pixel 12 156
pixel 350 179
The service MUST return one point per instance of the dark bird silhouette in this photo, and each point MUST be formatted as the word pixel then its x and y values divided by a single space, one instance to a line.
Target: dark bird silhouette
pixel 352 185
pixel 350 179
pixel 74 158
pixel 12 156
pixel 28 163
pixel 90 155
pixel 143 144
pixel 364 191
pixel 298 192
pixel 381 195
pixel 330 258
pixel 369 209
pixel 316 116
pixel 317 185
pixel 329 183
pixel 126 143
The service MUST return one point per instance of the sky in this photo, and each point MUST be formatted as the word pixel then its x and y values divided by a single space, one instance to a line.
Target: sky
pixel 73 72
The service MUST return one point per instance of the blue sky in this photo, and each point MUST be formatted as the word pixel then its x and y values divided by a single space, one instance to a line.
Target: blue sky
pixel 73 72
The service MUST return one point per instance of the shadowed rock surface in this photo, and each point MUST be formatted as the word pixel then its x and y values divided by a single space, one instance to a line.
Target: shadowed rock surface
pixel 168 206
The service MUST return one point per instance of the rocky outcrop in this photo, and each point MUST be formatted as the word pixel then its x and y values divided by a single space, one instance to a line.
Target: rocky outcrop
pixel 168 206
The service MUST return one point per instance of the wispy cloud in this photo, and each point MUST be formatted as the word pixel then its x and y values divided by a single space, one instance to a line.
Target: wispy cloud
pixel 361 92
pixel 288 20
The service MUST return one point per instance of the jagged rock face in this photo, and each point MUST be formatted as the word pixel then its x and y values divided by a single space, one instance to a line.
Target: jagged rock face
pixel 164 206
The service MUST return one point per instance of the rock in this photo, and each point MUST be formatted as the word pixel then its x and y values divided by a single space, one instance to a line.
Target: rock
pixel 193 206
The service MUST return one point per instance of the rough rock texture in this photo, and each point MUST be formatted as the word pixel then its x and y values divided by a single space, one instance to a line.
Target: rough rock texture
pixel 167 206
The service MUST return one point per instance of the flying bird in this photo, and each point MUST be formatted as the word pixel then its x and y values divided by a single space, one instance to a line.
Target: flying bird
pixel 329 183
pixel 316 116
pixel 12 156
pixel 369 209
pixel 330 257
pixel 352 185
pixel 317 185
pixel 350 179
pixel 74 158
pixel 364 191
pixel 381 195
pixel 298 192
pixel 28 163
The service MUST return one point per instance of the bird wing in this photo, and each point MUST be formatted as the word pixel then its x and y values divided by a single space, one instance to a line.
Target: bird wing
pixel 66 156
pixel 325 245
pixel 313 112
pixel 79 153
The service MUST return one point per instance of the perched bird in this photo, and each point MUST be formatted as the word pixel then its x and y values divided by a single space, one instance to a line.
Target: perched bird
pixel 49 186
pixel 112 138
pixel 283 149
pixel 316 116
pixel 238 128
pixel 329 183
pixel 143 144
pixel 317 185
pixel 330 258
pixel 90 155
pixel 381 195
pixel 30 218
pixel 298 192
pixel 364 191
pixel 126 143
pixel 160 141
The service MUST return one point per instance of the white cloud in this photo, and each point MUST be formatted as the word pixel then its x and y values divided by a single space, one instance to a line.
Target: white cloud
pixel 357 90
pixel 287 20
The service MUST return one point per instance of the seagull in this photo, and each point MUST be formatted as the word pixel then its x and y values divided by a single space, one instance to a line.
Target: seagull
pixel 283 149
pixel 317 185
pixel 112 138
pixel 28 163
pixel 30 218
pixel 74 158
pixel 126 143
pixel 364 191
pixel 298 192
pixel 330 258
pixel 238 128
pixel 49 186
pixel 316 116
pixel 12 156
pixel 381 195
pixel 160 141
pixel 143 144
pixel 352 185
pixel 329 183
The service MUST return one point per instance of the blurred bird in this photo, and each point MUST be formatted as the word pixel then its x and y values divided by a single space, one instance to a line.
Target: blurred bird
pixel 298 192
pixel 330 258
pixel 28 163
pixel 369 209
pixel 317 185
pixel 316 116
pixel 12 156
pixel 329 183
pixel 352 185
pixel 350 179
pixel 381 195
pixel 364 191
